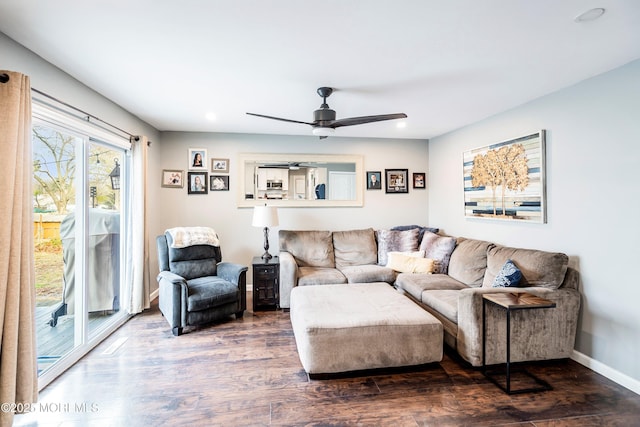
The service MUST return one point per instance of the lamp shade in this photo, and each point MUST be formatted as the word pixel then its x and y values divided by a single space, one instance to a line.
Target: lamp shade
pixel 265 216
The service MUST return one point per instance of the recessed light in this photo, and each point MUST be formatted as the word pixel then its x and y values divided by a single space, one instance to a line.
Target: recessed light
pixel 210 116
pixel 401 125
pixel 590 15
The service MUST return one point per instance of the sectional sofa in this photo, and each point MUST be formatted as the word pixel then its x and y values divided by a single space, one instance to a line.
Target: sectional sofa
pixel 447 277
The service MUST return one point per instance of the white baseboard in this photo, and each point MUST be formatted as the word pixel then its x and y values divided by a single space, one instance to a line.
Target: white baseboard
pixel 599 367
pixel 153 295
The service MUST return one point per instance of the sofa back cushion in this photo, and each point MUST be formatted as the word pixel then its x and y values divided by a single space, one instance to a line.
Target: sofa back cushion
pixel 468 262
pixel 539 268
pixel 309 248
pixel 355 247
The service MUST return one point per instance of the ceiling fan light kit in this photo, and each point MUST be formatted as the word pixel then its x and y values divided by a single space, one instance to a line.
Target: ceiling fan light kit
pixel 324 119
pixel 320 131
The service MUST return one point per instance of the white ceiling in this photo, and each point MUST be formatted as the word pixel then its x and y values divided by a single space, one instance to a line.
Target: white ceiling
pixel 443 63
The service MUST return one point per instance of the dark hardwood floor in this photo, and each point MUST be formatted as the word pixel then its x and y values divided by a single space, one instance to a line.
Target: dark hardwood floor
pixel 247 373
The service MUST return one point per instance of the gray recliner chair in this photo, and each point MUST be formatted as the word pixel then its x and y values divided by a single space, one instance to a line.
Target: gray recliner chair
pixel 196 287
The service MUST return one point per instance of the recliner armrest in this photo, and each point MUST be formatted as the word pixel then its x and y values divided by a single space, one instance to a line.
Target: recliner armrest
pixel 171 278
pixel 231 272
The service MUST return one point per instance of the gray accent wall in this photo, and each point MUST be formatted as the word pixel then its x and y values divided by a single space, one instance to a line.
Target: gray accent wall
pixel 593 202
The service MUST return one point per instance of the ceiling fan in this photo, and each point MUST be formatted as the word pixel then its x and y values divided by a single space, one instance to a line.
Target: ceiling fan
pixel 324 119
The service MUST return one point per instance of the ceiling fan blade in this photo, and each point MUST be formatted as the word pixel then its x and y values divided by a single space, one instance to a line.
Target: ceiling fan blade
pixel 281 119
pixel 351 121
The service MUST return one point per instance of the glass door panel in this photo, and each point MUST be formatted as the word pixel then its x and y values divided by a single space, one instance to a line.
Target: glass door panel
pixel 103 256
pixel 54 184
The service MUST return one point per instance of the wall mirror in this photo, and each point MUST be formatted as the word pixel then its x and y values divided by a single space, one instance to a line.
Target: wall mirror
pixel 300 180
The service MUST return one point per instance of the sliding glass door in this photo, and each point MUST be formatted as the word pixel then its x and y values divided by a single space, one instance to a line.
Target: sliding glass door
pixel 79 229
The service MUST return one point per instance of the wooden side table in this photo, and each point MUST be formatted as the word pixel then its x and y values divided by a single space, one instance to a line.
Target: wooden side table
pixel 266 288
pixel 511 302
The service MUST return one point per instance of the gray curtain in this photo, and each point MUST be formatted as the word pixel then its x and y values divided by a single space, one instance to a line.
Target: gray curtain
pixel 18 358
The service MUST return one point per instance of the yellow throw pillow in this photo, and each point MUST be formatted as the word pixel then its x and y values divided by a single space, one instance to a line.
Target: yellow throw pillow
pixel 409 263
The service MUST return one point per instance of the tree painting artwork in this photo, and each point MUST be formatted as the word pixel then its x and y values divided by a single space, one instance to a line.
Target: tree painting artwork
pixel 506 180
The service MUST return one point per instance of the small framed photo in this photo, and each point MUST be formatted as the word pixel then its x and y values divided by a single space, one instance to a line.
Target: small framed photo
pixel 396 180
pixel 419 180
pixel 374 180
pixel 172 178
pixel 219 165
pixel 197 183
pixel 198 159
pixel 219 182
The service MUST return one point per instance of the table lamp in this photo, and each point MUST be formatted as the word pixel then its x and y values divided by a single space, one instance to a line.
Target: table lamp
pixel 265 216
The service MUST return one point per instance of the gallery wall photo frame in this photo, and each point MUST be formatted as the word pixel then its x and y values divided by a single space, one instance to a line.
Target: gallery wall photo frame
pixel 420 180
pixel 506 180
pixel 172 178
pixel 219 183
pixel 197 183
pixel 396 180
pixel 197 159
pixel 374 180
pixel 219 165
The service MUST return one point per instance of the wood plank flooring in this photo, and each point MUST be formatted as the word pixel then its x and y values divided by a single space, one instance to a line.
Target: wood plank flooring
pixel 247 373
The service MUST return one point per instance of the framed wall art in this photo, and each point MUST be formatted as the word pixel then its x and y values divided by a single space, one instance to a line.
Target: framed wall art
pixel 197 183
pixel 219 165
pixel 419 180
pixel 506 180
pixel 172 178
pixel 219 182
pixel 396 180
pixel 197 159
pixel 374 180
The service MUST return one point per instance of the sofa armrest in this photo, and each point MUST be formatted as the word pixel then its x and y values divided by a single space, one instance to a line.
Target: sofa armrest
pixel 539 334
pixel 288 277
pixel 173 291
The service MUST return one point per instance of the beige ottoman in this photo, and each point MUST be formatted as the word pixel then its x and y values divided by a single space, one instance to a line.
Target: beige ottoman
pixel 351 327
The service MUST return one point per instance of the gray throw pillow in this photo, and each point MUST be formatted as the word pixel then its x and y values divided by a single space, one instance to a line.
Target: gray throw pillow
pixel 396 241
pixel 439 249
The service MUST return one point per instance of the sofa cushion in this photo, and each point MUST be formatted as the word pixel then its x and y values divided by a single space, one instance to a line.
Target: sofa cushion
pixel 319 276
pixel 408 262
pixel 309 248
pixel 415 284
pixel 368 274
pixel 539 268
pixel 468 261
pixel 439 249
pixel 396 241
pixel 355 247
pixel 509 276
pixel 444 301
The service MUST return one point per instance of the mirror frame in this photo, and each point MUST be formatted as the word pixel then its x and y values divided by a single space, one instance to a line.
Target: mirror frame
pixel 302 158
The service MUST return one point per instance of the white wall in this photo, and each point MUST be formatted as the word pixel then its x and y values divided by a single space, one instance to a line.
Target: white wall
pixel 593 199
pixel 240 241
pixel 53 81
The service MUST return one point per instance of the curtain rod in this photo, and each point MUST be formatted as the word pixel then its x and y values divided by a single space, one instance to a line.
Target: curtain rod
pixel 4 77
pixel 88 116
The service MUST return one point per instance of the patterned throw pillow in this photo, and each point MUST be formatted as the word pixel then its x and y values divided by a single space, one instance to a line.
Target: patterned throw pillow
pixel 509 276
pixel 396 241
pixel 439 249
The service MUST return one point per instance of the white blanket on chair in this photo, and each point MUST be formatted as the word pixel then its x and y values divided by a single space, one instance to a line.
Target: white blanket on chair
pixel 189 236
